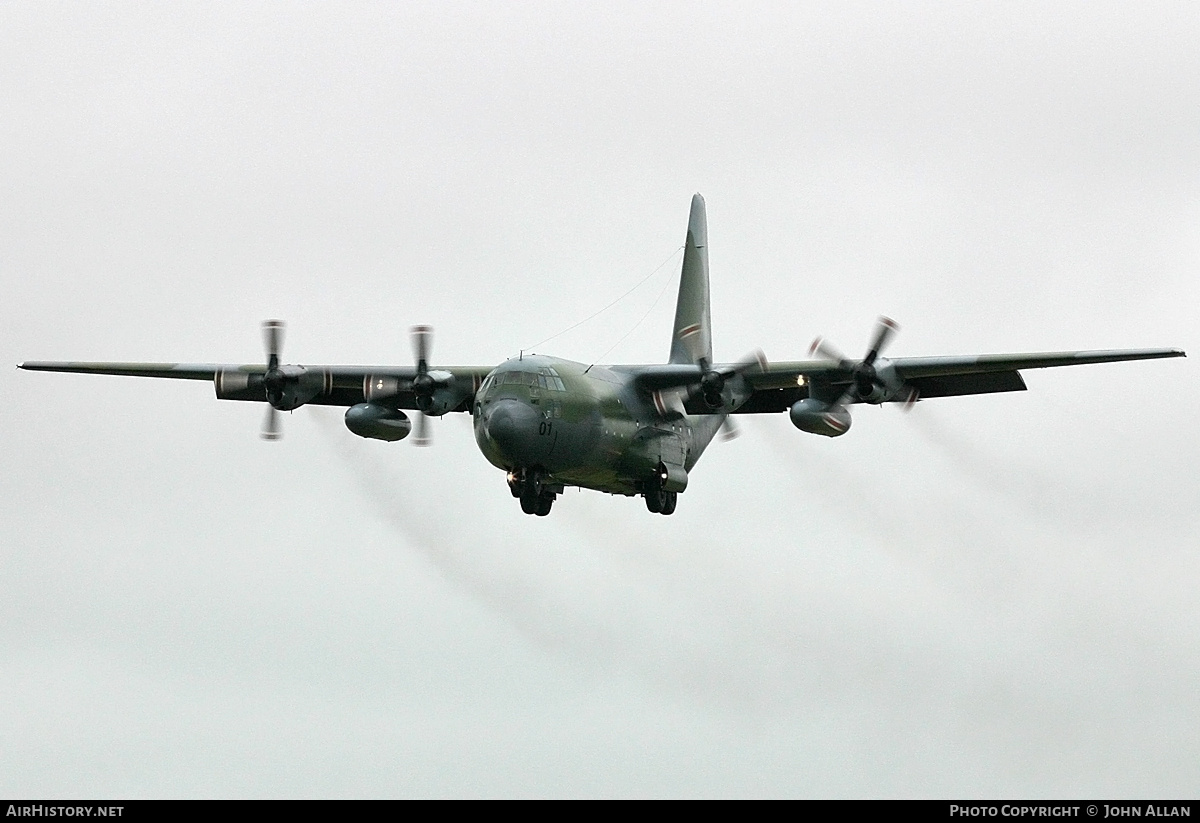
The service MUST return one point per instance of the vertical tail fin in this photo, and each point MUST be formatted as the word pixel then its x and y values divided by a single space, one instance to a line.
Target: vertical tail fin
pixel 691 339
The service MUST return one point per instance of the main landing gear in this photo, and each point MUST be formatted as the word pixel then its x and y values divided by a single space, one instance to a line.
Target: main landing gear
pixel 535 495
pixel 657 500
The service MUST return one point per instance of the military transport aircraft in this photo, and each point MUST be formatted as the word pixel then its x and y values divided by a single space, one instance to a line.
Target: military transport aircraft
pixel 631 430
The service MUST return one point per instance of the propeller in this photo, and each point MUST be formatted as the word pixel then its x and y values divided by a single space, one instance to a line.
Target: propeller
pixel 270 427
pixel 421 436
pixel 274 381
pixel 712 385
pixel 423 384
pixel 864 377
pixel 712 382
pixel 754 361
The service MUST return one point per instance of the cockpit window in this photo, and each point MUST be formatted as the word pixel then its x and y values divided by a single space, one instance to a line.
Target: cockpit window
pixel 543 378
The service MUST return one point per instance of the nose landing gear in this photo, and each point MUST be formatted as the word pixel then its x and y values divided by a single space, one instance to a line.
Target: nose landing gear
pixel 529 486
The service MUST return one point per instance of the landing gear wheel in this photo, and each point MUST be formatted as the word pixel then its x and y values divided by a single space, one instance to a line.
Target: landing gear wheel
pixel 659 501
pixel 539 505
pixel 534 496
pixel 526 486
pixel 669 501
pixel 655 500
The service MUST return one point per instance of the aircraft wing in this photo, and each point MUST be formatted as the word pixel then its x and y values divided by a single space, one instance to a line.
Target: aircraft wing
pixel 338 385
pixel 778 385
pixel 179 371
pixel 919 367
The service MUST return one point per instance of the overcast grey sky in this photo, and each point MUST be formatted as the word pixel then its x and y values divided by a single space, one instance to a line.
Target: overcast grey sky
pixel 988 596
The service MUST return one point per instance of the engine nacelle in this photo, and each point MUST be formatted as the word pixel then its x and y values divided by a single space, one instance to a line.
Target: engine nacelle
pixel 446 396
pixel 878 394
pixel 378 422
pixel 377 389
pixel 816 417
pixel 443 400
pixel 235 384
pixel 299 386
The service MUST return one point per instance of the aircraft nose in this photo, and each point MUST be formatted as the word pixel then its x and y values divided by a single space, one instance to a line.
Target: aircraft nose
pixel 513 427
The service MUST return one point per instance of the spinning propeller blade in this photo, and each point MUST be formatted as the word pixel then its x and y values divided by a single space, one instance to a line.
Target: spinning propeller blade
pixel 423 385
pixel 821 346
pixel 712 382
pixel 273 379
pixel 865 381
pixel 270 428
pixel 422 342
pixel 421 435
pixel 273 341
pixel 885 329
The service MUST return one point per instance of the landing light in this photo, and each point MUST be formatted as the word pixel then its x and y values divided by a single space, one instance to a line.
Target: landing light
pixel 801 380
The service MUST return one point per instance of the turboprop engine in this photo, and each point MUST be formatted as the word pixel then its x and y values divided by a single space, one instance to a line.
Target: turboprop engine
pixel 446 397
pixel 818 417
pixel 434 392
pixel 283 387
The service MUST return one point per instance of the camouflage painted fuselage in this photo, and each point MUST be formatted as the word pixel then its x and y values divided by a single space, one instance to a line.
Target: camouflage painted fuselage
pixel 583 426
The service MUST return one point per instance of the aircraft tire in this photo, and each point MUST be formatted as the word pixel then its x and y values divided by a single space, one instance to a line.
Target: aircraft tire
pixel 655 500
pixel 529 503
pixel 669 501
pixel 543 504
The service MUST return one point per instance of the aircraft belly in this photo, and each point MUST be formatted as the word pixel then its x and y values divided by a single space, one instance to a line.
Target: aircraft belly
pixel 611 466
pixel 597 479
